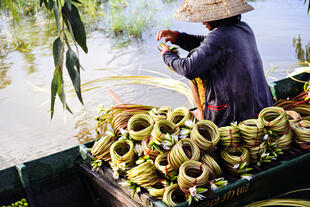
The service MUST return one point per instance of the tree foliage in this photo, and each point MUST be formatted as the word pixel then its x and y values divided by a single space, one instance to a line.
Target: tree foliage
pixel 69 24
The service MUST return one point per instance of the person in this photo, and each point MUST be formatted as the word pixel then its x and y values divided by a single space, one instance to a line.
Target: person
pixel 225 68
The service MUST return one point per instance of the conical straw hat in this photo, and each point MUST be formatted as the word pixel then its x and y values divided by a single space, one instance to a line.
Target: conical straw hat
pixel 210 10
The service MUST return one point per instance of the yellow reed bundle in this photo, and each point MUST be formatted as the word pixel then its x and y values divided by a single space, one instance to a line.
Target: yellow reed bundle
pixel 158 189
pixel 213 167
pixel 284 142
pixel 205 135
pixel 254 152
pixel 101 148
pixel 140 126
pixel 122 151
pixel 161 128
pixel 293 117
pixel 192 173
pixel 235 156
pixel 229 136
pixel 183 151
pixel 162 165
pixel 147 150
pixel 274 119
pixel 302 134
pixel 180 115
pixel 144 174
pixel 172 192
pixel 252 132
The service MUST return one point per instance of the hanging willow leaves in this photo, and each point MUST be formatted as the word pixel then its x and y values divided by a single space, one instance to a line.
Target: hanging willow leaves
pixel 54 89
pixel 57 87
pixel 50 5
pixel 56 13
pixel 73 67
pixel 72 18
pixel 69 4
pixel 58 53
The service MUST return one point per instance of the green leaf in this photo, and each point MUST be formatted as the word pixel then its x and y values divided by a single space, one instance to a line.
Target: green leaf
pixel 75 25
pixel 242 165
pixel 224 182
pixel 50 5
pixel 58 53
pixel 45 3
pixel 54 89
pixel 248 169
pixel 61 95
pixel 69 4
pixel 190 199
pixel 56 13
pixel 73 67
pixel 133 192
pixel 201 190
pixel 57 88
pixel 76 1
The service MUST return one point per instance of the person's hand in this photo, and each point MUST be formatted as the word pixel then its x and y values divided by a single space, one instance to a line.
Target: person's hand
pixel 167 34
pixel 165 49
pixel 198 114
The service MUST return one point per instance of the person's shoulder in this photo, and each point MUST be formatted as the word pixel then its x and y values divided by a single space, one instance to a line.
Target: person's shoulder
pixel 216 37
pixel 243 24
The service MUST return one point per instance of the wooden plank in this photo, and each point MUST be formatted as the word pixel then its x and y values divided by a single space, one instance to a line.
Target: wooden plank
pixel 105 172
pixel 120 193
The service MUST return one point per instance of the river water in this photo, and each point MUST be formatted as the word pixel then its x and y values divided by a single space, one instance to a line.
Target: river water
pixel 26 131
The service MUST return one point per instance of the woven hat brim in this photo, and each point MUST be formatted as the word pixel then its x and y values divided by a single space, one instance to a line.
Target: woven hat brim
pixel 210 10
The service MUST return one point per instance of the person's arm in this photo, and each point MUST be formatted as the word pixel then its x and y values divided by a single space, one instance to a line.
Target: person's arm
pixel 185 41
pixel 188 41
pixel 205 57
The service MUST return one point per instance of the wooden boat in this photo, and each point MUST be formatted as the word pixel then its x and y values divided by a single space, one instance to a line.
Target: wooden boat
pixel 65 178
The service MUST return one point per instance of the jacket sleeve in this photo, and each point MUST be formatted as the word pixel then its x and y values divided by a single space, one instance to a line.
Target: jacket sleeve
pixel 203 59
pixel 187 41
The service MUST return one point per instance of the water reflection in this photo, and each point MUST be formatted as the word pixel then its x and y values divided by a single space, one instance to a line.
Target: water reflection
pixel 5 80
pixel 302 53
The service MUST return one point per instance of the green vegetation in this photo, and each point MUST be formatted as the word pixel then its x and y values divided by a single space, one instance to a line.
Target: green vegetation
pixel 301 53
pixel 22 203
pixel 129 21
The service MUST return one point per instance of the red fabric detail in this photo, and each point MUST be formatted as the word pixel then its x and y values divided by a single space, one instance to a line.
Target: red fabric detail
pixel 255 116
pixel 268 124
pixel 217 108
pixel 240 159
pixel 166 169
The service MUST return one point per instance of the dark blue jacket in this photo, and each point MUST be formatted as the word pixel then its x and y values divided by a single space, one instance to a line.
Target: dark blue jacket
pixel 228 63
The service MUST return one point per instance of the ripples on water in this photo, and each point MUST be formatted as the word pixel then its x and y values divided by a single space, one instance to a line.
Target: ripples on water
pixel 26 65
